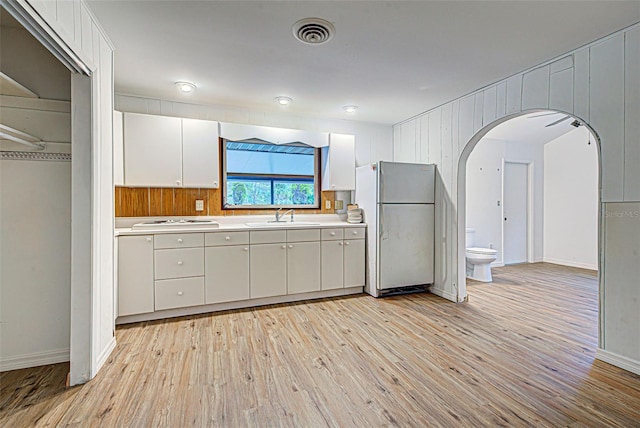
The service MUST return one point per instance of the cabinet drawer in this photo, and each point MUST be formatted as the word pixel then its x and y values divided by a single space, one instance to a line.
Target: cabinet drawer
pixel 179 240
pixel 179 263
pixel 178 293
pixel 228 238
pixel 354 233
pixel 267 236
pixel 303 235
pixel 332 234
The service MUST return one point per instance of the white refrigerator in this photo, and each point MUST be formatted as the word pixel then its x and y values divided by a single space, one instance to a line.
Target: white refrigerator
pixel 397 200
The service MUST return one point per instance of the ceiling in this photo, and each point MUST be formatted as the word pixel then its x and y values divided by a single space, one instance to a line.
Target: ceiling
pixel 532 128
pixel 393 59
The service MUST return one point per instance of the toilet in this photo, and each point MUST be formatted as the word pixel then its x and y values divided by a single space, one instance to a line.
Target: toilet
pixel 478 259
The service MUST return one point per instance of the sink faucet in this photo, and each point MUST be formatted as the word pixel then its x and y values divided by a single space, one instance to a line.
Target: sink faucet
pixel 281 215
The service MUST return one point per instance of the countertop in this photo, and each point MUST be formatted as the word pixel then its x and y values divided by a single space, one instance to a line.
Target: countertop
pixel 232 223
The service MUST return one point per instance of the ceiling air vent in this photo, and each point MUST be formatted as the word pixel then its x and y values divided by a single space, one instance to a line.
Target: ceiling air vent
pixel 313 31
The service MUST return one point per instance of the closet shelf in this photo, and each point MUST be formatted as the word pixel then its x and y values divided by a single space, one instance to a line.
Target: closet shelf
pixel 8 86
pixel 11 134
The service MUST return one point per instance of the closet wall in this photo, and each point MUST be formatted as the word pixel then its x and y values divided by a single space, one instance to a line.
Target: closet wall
pixel 35 206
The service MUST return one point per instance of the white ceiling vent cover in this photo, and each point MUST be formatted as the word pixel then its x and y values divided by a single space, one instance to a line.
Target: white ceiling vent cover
pixel 313 31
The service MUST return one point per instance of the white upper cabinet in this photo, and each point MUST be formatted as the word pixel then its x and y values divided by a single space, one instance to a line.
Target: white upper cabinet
pixel 200 153
pixel 118 147
pixel 161 151
pixel 339 163
pixel 152 150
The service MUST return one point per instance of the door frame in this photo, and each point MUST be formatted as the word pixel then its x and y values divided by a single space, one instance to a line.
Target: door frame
pixel 529 222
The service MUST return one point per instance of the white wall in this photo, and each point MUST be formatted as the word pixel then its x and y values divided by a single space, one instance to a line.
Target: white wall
pixel 598 83
pixel 571 200
pixel 484 190
pixel 35 262
pixel 373 141
pixel 485 176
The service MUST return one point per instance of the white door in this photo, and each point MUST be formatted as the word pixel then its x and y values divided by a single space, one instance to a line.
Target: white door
pixel 226 272
pixel 268 270
pixel 303 267
pixel 515 210
pixel 354 263
pixel 332 255
pixel 200 154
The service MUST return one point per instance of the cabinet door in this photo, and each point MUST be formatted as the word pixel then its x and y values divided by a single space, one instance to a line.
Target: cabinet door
pixel 118 147
pixel 226 272
pixel 135 275
pixel 268 270
pixel 339 163
pixel 303 267
pixel 332 266
pixel 200 154
pixel 152 150
pixel 354 263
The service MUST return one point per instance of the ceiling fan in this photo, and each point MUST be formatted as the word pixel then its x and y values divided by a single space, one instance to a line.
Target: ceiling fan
pixel 576 123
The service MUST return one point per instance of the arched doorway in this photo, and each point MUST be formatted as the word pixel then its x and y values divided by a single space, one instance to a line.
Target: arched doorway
pixel 462 179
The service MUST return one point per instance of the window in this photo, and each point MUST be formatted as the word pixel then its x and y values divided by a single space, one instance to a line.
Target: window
pixel 264 175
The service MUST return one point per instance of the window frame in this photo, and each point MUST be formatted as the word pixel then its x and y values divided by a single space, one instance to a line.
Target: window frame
pixel 268 177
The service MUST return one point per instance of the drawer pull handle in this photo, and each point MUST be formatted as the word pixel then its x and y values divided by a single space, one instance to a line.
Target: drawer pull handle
pixel 340 244
pixel 290 246
pixel 148 239
pixel 246 248
pixel 180 293
pixel 284 247
pixel 228 238
pixel 180 240
pixel 346 242
pixel 355 232
pixel 180 263
pixel 333 234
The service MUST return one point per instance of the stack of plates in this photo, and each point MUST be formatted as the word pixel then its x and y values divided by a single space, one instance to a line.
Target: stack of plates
pixel 354 215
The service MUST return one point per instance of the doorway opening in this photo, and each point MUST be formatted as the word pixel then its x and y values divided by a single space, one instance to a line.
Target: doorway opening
pixel 528 192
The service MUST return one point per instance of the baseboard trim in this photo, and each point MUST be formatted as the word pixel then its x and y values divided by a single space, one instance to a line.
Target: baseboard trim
pixel 570 263
pixel 104 355
pixel 444 294
pixel 34 360
pixel 618 360
pixel 240 304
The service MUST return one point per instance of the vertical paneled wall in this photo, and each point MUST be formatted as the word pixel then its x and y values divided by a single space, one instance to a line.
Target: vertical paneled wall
pixel 599 83
pixel 74 24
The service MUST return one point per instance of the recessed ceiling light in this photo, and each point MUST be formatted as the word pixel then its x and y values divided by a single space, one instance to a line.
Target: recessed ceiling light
pixel 186 87
pixel 350 109
pixel 284 101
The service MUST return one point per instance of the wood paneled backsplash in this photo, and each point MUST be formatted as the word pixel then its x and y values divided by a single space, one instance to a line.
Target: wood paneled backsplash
pixel 153 201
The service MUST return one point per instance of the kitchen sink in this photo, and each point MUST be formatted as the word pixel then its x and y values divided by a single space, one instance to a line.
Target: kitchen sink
pixel 282 224
pixel 180 223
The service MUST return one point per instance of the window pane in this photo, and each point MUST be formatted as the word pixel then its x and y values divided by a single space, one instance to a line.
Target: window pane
pixel 270 175
pixel 293 193
pixel 248 192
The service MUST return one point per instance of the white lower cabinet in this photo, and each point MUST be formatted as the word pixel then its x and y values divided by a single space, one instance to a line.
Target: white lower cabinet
pixel 354 262
pixel 332 265
pixel 194 269
pixel 179 293
pixel 226 270
pixel 135 275
pixel 268 270
pixel 303 267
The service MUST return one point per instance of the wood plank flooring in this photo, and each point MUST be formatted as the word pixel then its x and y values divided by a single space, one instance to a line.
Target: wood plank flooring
pixel 519 353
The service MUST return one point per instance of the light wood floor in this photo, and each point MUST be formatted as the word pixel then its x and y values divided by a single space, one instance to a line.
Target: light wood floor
pixel 519 353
